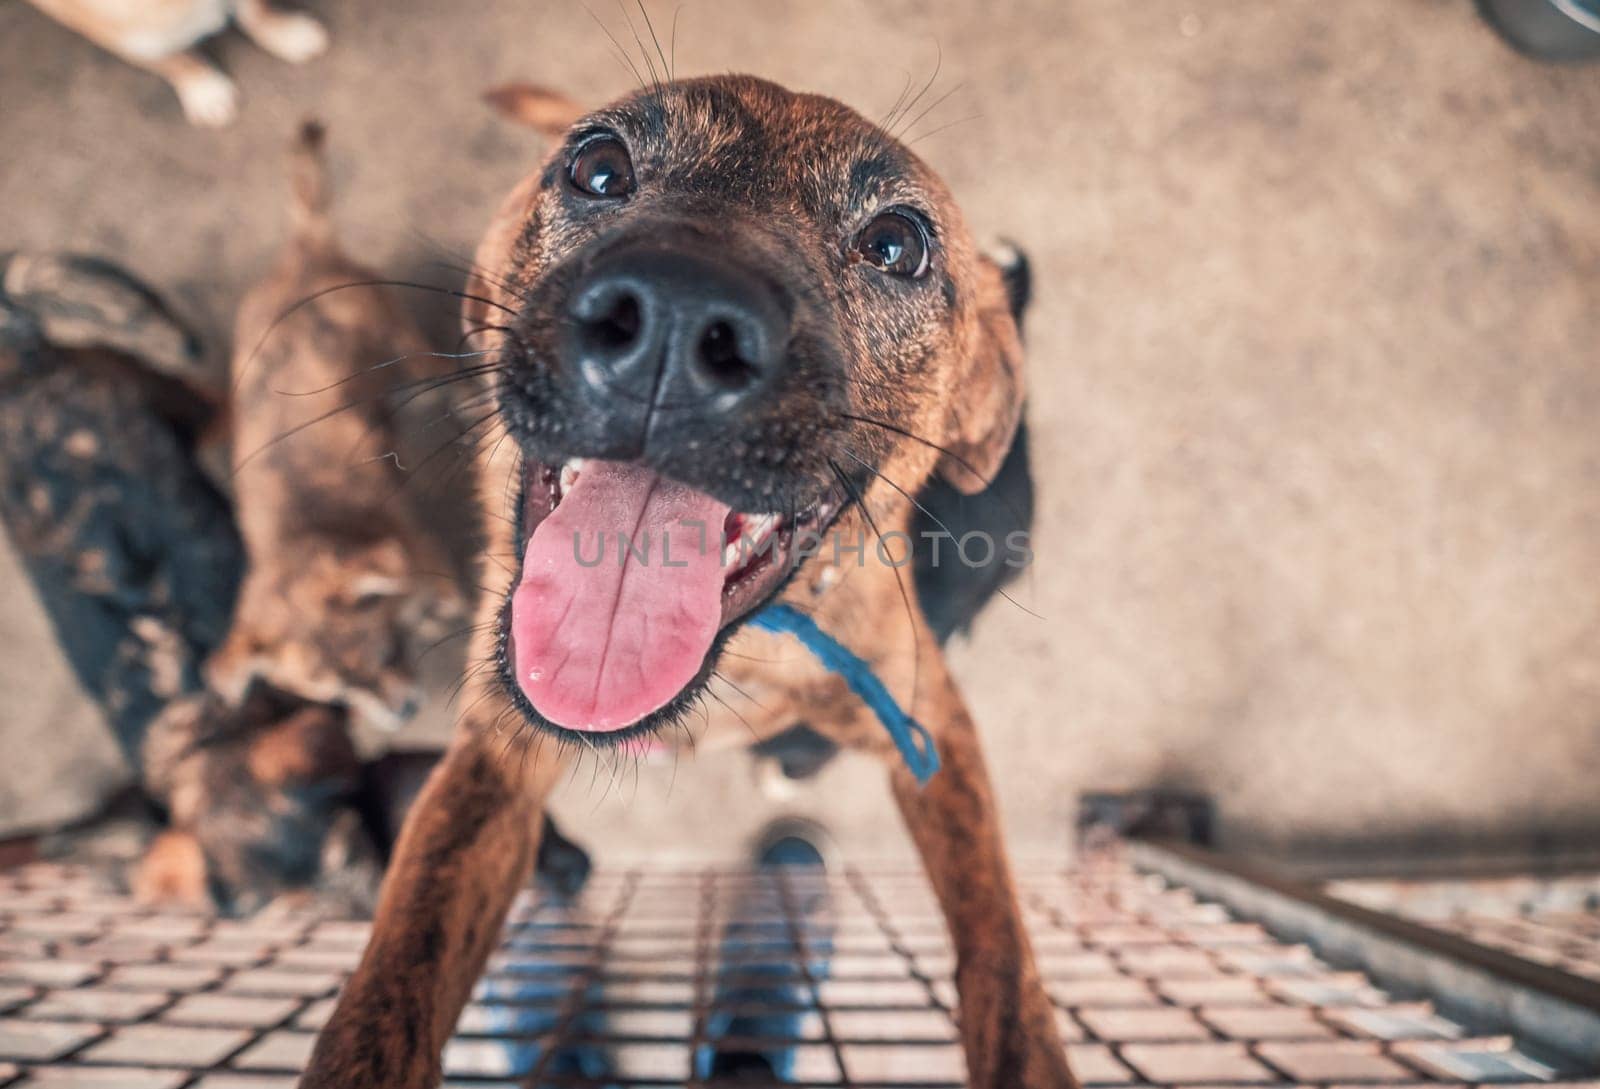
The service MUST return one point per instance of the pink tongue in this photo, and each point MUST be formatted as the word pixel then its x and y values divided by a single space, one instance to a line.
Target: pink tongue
pixel 599 645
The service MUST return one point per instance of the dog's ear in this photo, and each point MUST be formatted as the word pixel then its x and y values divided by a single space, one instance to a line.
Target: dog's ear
pixel 983 420
pixel 552 114
pixel 541 109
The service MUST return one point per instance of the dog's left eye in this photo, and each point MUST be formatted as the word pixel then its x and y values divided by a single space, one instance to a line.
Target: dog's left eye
pixel 894 242
pixel 602 168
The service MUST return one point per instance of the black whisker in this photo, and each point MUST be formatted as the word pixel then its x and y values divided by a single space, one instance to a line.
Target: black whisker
pixel 453 261
pixel 905 595
pixel 512 738
pixel 465 455
pixel 930 107
pixel 443 639
pixel 512 478
pixel 899 387
pixel 936 519
pixel 452 441
pixel 485 694
pixel 951 454
pixel 941 128
pixel 471 270
pixel 938 64
pixel 665 66
pixel 505 433
pixel 622 54
pixel 957 458
pixel 723 678
pixel 883 122
pixel 429 385
pixel 478 330
pixel 672 59
pixel 733 711
pixel 644 54
pixel 380 366
pixel 315 295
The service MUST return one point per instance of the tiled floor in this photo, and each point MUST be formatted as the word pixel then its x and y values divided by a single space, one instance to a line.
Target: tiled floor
pixel 1549 920
pixel 660 979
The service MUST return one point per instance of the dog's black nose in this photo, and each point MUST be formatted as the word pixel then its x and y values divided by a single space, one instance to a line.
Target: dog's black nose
pixel 679 330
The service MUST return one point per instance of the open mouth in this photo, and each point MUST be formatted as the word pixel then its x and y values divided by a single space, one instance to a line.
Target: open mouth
pixel 628 580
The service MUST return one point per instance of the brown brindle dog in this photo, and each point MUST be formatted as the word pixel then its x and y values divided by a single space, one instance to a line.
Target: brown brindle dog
pixel 723 309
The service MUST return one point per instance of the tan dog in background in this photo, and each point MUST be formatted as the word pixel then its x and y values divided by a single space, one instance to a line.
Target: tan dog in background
pixel 345 589
pixel 160 36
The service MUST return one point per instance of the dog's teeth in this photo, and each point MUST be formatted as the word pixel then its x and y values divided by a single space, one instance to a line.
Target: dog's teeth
pixel 569 473
pixel 754 529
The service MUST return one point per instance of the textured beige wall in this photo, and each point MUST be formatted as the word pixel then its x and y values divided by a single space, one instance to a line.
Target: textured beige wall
pixel 1316 364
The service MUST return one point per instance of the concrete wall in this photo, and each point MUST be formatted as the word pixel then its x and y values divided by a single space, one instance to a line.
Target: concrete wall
pixel 1316 365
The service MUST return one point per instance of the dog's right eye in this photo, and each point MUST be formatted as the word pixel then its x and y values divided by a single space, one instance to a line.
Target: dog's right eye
pixel 601 167
pixel 895 242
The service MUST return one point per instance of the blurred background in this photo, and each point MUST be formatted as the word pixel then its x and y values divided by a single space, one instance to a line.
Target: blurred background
pixel 1315 366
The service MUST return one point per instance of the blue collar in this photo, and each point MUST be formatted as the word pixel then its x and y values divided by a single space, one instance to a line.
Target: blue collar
pixel 910 736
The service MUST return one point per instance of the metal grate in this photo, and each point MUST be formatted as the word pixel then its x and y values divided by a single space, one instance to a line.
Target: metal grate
pixel 654 978
pixel 1549 920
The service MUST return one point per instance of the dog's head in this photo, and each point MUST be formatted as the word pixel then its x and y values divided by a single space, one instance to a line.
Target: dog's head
pixel 340 626
pixel 727 312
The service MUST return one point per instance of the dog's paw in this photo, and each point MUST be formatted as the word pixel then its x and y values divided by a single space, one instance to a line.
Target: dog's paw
pixel 238 865
pixel 254 793
pixel 293 37
pixel 561 865
pixel 172 873
pixel 209 98
pixel 265 845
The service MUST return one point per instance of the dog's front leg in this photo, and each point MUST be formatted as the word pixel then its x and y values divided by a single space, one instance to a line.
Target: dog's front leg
pixel 467 846
pixel 1008 1029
